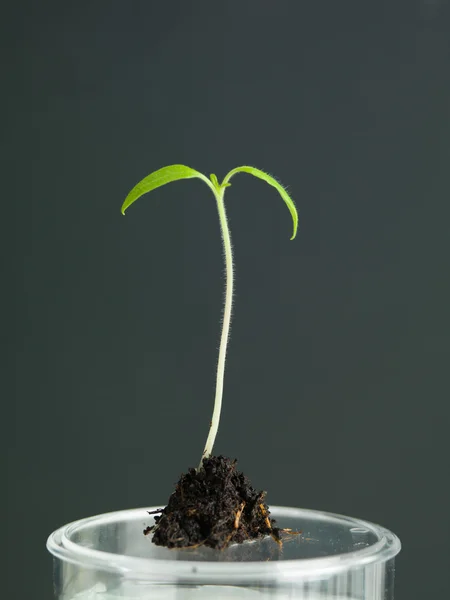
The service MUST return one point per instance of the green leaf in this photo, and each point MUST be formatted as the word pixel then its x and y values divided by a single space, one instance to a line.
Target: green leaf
pixel 214 180
pixel 159 178
pixel 271 181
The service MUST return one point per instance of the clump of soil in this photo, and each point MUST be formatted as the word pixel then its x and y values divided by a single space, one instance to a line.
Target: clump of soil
pixel 215 507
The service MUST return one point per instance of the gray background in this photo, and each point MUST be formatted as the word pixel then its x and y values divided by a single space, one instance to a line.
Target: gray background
pixel 336 392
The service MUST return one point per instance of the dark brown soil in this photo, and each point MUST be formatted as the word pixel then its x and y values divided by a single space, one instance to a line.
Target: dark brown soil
pixel 215 507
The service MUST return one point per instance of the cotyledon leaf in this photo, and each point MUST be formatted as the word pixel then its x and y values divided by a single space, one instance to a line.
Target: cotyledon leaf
pixel 159 178
pixel 271 181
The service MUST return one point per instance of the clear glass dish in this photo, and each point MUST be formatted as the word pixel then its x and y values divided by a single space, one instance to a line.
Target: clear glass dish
pixel 107 557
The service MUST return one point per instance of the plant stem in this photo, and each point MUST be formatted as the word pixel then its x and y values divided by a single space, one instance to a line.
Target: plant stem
pixel 229 281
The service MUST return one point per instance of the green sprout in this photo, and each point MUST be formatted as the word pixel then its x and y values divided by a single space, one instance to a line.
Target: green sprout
pixel 173 173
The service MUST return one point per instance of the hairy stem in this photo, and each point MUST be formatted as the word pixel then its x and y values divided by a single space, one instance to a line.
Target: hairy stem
pixel 229 281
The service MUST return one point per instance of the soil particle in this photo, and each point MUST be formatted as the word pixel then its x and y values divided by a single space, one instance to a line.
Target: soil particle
pixel 215 507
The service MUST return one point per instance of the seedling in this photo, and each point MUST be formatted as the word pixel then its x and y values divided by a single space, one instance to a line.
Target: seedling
pixel 249 515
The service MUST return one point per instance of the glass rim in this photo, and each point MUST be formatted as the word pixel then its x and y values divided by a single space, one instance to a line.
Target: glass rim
pixel 63 548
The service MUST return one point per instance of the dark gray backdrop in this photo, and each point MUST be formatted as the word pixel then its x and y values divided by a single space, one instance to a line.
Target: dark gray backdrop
pixel 336 393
